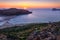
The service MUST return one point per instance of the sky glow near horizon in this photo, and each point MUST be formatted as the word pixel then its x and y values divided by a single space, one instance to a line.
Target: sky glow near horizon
pixel 29 3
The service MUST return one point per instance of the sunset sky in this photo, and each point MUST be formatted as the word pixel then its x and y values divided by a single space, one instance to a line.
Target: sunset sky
pixel 29 3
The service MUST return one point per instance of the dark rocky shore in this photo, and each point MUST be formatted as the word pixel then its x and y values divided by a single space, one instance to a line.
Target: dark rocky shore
pixel 13 11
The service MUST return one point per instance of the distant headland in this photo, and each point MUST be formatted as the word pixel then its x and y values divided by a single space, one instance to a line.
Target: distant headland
pixel 55 9
pixel 13 11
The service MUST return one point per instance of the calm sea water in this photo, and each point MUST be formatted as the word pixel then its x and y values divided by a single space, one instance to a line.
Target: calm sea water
pixel 37 16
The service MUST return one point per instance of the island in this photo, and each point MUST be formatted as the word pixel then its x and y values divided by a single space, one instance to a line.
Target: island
pixel 13 11
pixel 55 9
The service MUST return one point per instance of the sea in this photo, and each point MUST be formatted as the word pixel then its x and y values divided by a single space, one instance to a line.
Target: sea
pixel 37 16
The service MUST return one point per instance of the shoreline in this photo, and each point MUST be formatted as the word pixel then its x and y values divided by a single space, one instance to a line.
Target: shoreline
pixel 7 25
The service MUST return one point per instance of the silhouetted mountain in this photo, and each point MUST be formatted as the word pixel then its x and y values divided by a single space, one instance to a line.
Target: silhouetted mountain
pixel 13 11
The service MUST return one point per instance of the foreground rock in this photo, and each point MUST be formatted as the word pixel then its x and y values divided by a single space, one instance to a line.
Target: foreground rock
pixel 13 11
pixel 47 33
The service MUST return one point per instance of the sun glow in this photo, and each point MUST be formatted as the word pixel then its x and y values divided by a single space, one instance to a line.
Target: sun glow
pixel 26 5
pixel 25 8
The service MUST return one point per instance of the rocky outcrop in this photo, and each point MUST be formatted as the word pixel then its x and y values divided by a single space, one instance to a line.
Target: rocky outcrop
pixel 14 11
pixel 3 37
pixel 47 33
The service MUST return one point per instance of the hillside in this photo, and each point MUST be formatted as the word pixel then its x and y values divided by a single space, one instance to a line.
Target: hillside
pixel 27 31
